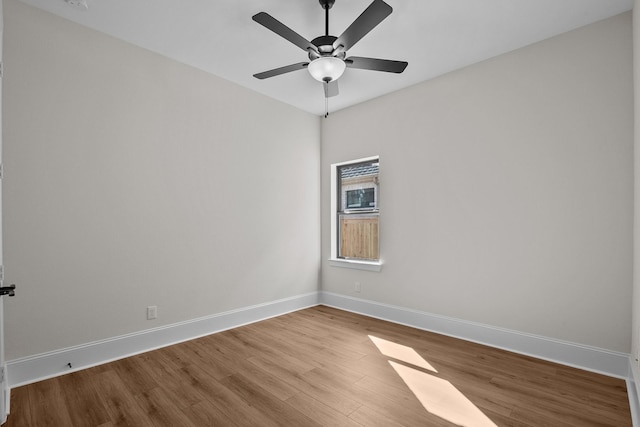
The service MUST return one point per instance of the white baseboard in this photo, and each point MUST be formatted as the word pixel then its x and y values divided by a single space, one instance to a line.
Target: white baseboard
pixel 593 359
pixel 6 396
pixel 47 365
pixel 633 390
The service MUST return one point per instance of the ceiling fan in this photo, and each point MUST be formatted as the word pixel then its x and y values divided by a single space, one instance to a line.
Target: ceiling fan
pixel 328 54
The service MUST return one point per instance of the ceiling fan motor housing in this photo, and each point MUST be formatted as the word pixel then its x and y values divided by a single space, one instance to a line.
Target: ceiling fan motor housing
pixel 325 47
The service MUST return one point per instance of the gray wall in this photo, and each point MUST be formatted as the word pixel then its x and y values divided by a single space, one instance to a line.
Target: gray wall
pixel 506 190
pixel 635 350
pixel 132 180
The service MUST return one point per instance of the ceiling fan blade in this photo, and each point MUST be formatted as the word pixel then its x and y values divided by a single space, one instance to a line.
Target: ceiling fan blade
pixel 281 70
pixel 282 30
pixel 372 16
pixel 330 88
pixel 375 64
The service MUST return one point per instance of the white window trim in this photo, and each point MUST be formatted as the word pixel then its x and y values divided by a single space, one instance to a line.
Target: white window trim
pixel 356 264
pixel 334 261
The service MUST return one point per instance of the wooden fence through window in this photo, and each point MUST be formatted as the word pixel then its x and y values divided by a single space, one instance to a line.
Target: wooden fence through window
pixel 360 237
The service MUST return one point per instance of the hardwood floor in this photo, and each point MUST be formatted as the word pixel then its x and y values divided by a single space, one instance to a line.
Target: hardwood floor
pixel 323 366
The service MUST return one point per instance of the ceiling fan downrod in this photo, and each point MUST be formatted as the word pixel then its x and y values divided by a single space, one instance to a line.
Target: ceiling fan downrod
pixel 326 5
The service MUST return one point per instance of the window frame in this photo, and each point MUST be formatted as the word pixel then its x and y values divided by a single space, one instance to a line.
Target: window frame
pixel 334 260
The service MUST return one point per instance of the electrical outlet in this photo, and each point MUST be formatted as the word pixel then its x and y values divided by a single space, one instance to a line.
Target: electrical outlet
pixel 357 287
pixel 152 312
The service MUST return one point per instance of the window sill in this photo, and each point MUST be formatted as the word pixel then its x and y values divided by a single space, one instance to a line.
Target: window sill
pixel 356 265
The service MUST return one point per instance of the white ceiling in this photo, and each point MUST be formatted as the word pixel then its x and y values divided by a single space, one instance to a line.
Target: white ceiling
pixel 434 36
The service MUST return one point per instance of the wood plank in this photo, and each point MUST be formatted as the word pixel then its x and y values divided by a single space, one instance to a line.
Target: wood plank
pixel 204 414
pixel 267 404
pixel 119 401
pixel 82 399
pixel 329 396
pixel 224 400
pixel 158 406
pixel 169 375
pixel 134 368
pixel 271 383
pixel 374 416
pixel 48 407
pixel 21 405
pixel 320 412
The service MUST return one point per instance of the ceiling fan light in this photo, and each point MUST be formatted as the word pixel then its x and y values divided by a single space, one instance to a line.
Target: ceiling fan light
pixel 326 68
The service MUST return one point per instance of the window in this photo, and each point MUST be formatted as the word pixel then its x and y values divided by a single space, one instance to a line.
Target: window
pixel 361 198
pixel 355 204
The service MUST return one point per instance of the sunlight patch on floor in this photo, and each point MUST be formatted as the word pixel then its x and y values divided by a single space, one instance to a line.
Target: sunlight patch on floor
pixel 437 395
pixel 441 398
pixel 402 353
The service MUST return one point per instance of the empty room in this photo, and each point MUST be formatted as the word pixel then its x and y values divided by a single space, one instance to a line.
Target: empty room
pixel 316 212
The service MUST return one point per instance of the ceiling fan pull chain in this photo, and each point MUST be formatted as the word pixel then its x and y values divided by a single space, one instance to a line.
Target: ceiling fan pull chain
pixel 326 104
